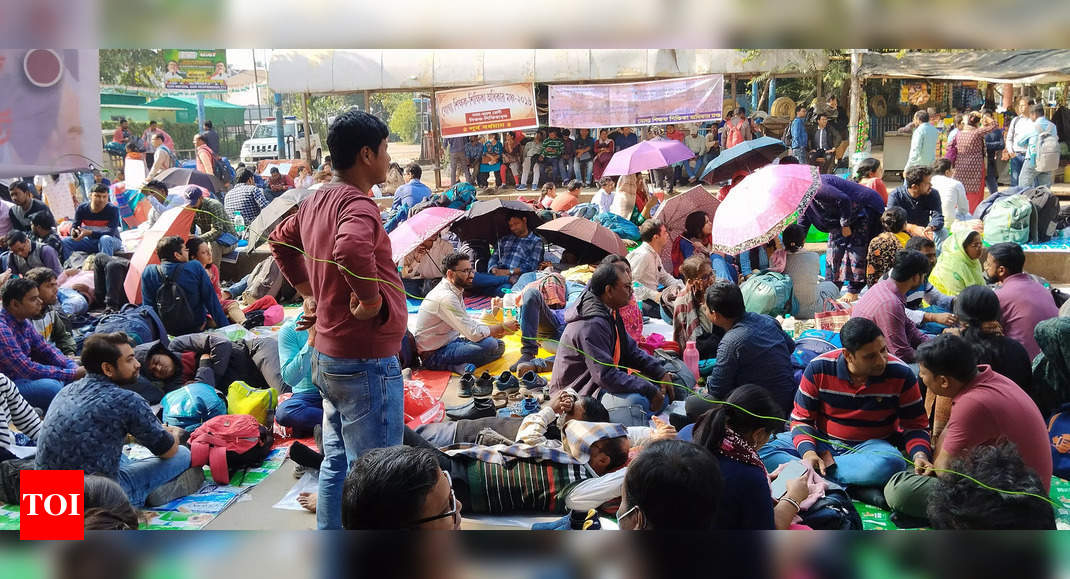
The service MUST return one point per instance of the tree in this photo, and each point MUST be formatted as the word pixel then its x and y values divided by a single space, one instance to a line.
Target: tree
pixel 405 121
pixel 131 67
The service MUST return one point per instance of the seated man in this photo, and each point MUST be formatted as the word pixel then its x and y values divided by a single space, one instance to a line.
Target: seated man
pixel 24 254
pixel 649 270
pixel 160 199
pixel 986 407
pixel 43 228
pixel 1023 302
pixel 399 487
pixel 446 336
pixel 885 304
pixel 413 191
pixel 859 397
pixel 673 485
pixel 52 323
pixel 193 280
pixel 278 183
pixel 26 206
pixel 754 350
pixel 216 226
pixel 934 317
pixel 37 367
pixel 88 424
pixel 925 211
pixel 96 226
pixel 595 353
pixel 303 410
pixel 421 270
pixel 542 321
pixel 519 252
pixel 245 198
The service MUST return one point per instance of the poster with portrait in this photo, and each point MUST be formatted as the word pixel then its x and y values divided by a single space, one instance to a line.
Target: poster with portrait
pixel 195 70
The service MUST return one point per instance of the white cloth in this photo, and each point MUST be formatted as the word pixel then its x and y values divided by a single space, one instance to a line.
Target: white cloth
pixel 1020 127
pixel 648 270
pixel 952 198
pixel 443 318
pixel 604 200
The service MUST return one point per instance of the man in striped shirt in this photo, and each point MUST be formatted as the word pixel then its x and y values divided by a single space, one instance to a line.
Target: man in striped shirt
pixel 853 405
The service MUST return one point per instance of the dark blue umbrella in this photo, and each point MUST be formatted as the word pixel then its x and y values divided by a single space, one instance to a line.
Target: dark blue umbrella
pixel 746 156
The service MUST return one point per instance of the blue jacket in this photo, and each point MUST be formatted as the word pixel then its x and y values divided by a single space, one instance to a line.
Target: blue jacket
pixel 410 194
pixel 194 279
pixel 799 136
pixel 755 351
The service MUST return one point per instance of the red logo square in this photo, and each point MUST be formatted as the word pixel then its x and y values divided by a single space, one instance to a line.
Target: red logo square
pixel 51 505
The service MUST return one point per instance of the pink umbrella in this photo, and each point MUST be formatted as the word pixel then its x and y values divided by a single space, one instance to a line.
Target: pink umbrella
pixel 652 154
pixel 762 205
pixel 419 228
pixel 673 212
pixel 175 221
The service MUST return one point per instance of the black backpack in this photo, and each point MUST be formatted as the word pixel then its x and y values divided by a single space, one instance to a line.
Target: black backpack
pixel 833 512
pixel 1043 223
pixel 172 304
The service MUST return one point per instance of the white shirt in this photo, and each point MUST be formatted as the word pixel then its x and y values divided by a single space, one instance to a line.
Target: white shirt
pixel 604 200
pixel 952 198
pixel 443 318
pixel 648 270
pixel 1020 127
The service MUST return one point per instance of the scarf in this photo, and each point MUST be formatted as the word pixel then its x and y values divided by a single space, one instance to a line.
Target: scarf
pixel 1051 369
pixel 954 270
pixel 734 447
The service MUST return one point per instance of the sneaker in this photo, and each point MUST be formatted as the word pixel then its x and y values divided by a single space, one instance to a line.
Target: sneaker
pixel 468 382
pixel 480 408
pixel 484 385
pixel 521 187
pixel 532 381
pixel 183 485
pixel 529 405
pixel 507 382
pixel 524 359
pixel 462 369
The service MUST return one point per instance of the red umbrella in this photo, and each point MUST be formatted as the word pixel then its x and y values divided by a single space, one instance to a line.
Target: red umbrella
pixel 589 241
pixel 176 221
pixel 674 211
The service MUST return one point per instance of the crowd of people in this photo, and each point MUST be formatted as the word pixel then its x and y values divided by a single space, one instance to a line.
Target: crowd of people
pixel 951 361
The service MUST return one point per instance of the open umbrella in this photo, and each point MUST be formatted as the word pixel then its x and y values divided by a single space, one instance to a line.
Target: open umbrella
pixel 746 156
pixel 179 176
pixel 674 211
pixel 589 241
pixel 489 220
pixel 419 228
pixel 272 215
pixel 762 205
pixel 175 221
pixel 652 154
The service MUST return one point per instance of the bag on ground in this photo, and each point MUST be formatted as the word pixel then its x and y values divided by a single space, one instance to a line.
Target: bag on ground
pixel 256 402
pixel 767 293
pixel 1059 433
pixel 1045 214
pixel 834 317
pixel 229 443
pixel 1009 220
pixel 192 405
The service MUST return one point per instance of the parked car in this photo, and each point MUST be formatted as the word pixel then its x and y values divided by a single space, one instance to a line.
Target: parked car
pixel 264 143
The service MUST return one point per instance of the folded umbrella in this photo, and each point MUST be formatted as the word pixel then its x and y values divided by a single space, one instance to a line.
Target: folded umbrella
pixel 746 156
pixel 272 215
pixel 176 221
pixel 673 212
pixel 762 205
pixel 489 220
pixel 587 240
pixel 647 155
pixel 179 176
pixel 419 228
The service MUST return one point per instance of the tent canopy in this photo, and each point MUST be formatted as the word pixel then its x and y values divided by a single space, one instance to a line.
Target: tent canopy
pixel 996 66
pixel 339 71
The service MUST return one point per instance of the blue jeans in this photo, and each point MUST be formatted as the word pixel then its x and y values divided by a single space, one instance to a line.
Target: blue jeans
pixel 537 320
pixel 1016 163
pixel 459 352
pixel 363 401
pixel 486 284
pixel 628 409
pixel 237 288
pixel 302 411
pixel 1030 177
pixel 105 244
pixel 867 464
pixel 578 166
pixel 694 167
pixel 140 477
pixel 439 434
pixel 39 393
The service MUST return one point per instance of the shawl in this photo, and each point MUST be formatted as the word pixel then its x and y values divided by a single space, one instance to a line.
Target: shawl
pixel 954 270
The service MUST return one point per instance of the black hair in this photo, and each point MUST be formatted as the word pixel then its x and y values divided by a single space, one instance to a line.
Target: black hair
pixel 650 229
pixel 208 124
pixel 350 133
pixel 789 160
pixel 820 115
pixel 894 219
pixel 948 355
pixel 168 247
pixel 103 348
pixel 858 332
pixel 107 507
pixel 616 449
pixel 156 185
pixel 386 487
pixel 193 244
pixel 99 188
pixel 1009 255
pixel 593 410
pixel 151 122
pixel 23 186
pixel 867 166
pixel 974 306
pixel 451 260
pixel 794 237
pixel 909 264
pixel 574 185
pixel 918 242
pixel 676 484
pixel 275 171
pixel 41 275
pixel 43 219
pixel 606 275
pixel 941 166
pixel 922 116
pixel 725 298
pixel 242 176
pixel 694 223
pixel 1037 109
pixel 16 289
pixel 916 174
pixel 747 409
pixel 16 236
pixel 799 108
pixel 959 503
pixel 414 170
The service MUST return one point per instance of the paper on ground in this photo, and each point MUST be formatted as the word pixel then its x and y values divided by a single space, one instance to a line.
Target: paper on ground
pixel 308 483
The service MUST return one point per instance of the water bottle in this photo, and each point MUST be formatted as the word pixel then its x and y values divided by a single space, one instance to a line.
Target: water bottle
pixel 788 326
pixel 239 224
pixel 509 303
pixel 691 358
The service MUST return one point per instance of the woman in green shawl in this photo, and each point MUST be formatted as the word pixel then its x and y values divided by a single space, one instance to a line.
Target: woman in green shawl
pixel 1051 374
pixel 959 264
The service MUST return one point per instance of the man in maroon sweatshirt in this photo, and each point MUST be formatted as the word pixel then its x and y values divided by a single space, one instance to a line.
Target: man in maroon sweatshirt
pixel 335 252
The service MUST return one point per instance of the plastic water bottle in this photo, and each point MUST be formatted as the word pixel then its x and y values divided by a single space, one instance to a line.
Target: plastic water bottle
pixel 509 303
pixel 788 326
pixel 239 224
pixel 691 358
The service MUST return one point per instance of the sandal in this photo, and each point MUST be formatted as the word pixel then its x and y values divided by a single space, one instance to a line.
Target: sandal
pixel 500 399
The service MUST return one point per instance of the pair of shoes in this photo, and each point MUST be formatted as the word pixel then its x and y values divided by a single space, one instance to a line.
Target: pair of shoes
pixel 534 365
pixel 479 408
pixel 468 382
pixel 524 359
pixel 484 386
pixel 507 382
pixel 533 381
pixel 521 187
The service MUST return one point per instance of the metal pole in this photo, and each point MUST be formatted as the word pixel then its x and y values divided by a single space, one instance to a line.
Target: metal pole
pixel 732 90
pixel 279 134
pixel 308 132
pixel 200 112
pixel 256 88
pixel 856 103
pixel 435 141
pixel 754 88
pixel 772 93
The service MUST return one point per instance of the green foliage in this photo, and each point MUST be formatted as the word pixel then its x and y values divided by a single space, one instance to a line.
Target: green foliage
pixel 131 67
pixel 405 121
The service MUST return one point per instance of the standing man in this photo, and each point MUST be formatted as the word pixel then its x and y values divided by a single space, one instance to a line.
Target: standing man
pixel 204 155
pixel 96 226
pixel 458 159
pixel 923 142
pixel 1031 176
pixel 162 158
pixel 360 319
pixel 150 146
pixel 800 140
pixel 1019 127
pixel 211 138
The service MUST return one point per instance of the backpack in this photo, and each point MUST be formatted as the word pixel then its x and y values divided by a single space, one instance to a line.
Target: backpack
pixel 222 170
pixel 229 443
pixel 172 304
pixel 191 405
pixel 1009 220
pixel 1045 214
pixel 460 196
pixel 811 344
pixel 1059 433
pixel 733 134
pixel 622 227
pixel 256 402
pixel 139 323
pixel 833 512
pixel 1047 159
pixel 767 293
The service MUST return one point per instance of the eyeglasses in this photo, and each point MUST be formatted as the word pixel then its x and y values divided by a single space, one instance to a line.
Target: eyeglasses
pixel 453 506
pixel 627 513
pixel 464 271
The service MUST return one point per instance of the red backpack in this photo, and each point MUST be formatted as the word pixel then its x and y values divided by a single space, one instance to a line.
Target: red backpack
pixel 733 134
pixel 228 443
